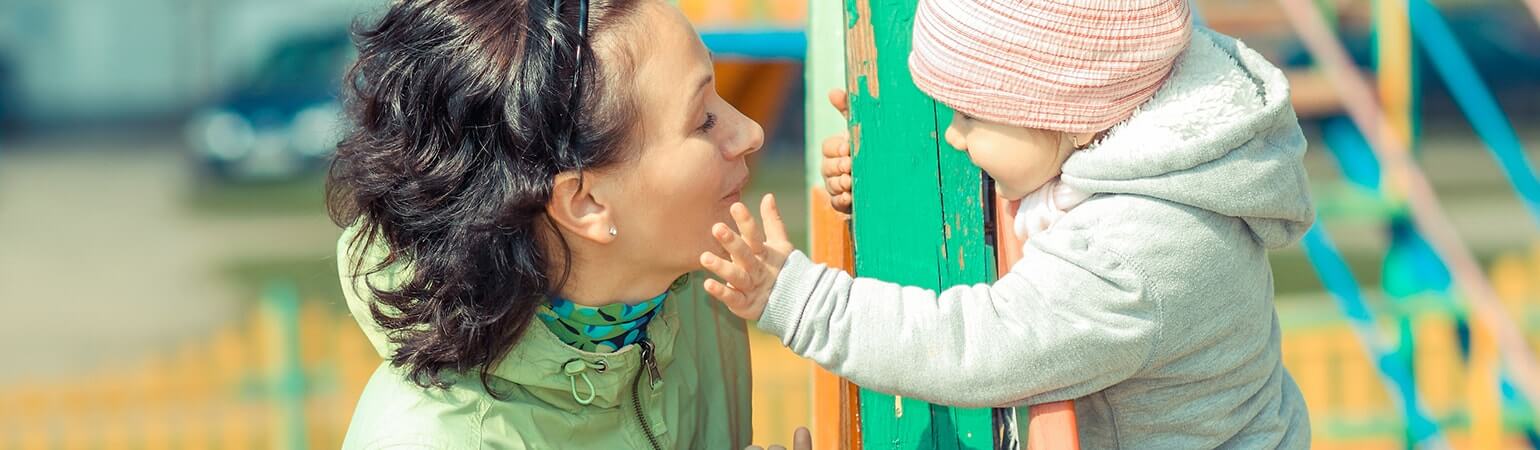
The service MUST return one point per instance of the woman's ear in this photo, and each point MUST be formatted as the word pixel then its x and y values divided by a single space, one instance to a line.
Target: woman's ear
pixel 577 211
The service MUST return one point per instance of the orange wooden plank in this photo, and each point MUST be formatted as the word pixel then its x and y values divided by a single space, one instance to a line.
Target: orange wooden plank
pixel 1051 426
pixel 757 88
pixel 835 400
pixel 1007 244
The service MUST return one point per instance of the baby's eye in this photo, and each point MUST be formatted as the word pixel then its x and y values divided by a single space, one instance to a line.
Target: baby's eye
pixel 711 122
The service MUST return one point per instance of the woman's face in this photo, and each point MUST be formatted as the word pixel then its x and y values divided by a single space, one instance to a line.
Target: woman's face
pixel 690 162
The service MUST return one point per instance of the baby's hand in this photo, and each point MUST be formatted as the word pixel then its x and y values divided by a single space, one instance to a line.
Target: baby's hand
pixel 836 158
pixel 756 260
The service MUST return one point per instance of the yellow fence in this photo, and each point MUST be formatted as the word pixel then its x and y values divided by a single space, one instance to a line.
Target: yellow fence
pixel 230 390
pixel 220 392
pixel 1351 408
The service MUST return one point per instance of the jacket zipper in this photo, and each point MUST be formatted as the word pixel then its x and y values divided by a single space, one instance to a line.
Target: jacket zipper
pixel 651 365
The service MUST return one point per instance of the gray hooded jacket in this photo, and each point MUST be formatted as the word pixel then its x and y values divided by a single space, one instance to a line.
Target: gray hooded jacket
pixel 1151 304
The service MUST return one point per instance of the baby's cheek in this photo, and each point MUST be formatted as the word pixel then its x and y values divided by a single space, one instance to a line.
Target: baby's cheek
pixel 984 159
pixel 1001 168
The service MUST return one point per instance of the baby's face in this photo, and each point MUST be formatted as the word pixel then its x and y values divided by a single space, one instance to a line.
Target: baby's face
pixel 1019 159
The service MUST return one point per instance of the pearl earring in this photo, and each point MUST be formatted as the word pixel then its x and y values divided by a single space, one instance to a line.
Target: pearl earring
pixel 613 231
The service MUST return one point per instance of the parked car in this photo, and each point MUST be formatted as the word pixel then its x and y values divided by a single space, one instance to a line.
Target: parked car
pixel 284 122
pixel 7 89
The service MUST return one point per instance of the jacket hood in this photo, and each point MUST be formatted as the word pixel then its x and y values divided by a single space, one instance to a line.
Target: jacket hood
pixel 1220 135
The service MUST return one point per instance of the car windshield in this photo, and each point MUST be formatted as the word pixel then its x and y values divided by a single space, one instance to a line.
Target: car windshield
pixel 303 64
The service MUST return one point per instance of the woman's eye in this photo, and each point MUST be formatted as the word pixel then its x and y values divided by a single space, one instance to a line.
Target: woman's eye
pixel 711 121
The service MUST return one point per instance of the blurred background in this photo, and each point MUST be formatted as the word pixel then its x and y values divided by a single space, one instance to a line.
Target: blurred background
pixel 167 269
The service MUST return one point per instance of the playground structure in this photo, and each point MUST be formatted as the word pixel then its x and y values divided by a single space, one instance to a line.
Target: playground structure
pixel 1461 395
pixel 1444 368
pixel 287 378
pixel 1426 261
pixel 290 376
pixel 1470 337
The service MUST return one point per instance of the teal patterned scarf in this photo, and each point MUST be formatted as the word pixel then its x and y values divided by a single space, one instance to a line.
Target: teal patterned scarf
pixel 605 329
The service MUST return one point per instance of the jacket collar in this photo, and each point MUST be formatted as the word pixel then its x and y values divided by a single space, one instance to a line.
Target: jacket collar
pixel 540 362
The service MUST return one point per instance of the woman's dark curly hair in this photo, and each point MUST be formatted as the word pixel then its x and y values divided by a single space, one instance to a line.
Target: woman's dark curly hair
pixel 462 113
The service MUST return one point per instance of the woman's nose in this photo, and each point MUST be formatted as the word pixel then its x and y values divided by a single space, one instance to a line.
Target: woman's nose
pixel 749 139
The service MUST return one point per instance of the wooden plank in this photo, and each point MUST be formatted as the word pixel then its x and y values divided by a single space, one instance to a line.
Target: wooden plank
pixel 1051 426
pixel 835 423
pixel 1394 66
pixel 903 184
pixel 970 253
pixel 824 70
pixel 1482 391
pixel 1394 63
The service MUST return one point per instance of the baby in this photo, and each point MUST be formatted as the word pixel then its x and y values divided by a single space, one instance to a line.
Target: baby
pixel 1156 164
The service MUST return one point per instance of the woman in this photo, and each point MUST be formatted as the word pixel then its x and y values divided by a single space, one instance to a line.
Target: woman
pixel 526 187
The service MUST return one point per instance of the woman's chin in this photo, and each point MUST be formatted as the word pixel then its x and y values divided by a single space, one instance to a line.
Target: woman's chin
pixel 685 250
pixel 724 216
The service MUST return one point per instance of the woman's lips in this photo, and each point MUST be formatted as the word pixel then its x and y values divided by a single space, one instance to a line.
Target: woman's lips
pixel 736 193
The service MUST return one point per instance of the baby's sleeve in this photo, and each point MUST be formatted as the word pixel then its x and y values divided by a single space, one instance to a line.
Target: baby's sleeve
pixel 1068 320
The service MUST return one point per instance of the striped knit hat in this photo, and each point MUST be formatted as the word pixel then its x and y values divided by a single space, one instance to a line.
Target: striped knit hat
pixel 1076 66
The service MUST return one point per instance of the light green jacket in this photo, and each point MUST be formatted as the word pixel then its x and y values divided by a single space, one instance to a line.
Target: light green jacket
pixel 700 397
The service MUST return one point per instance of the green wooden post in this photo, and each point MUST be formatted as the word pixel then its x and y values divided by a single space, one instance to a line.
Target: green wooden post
pixel 823 70
pixel 834 425
pixel 919 209
pixel 288 383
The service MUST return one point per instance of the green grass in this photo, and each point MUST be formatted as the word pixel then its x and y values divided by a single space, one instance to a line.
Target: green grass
pixel 290 197
pixel 777 173
pixel 315 278
pixel 1292 273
